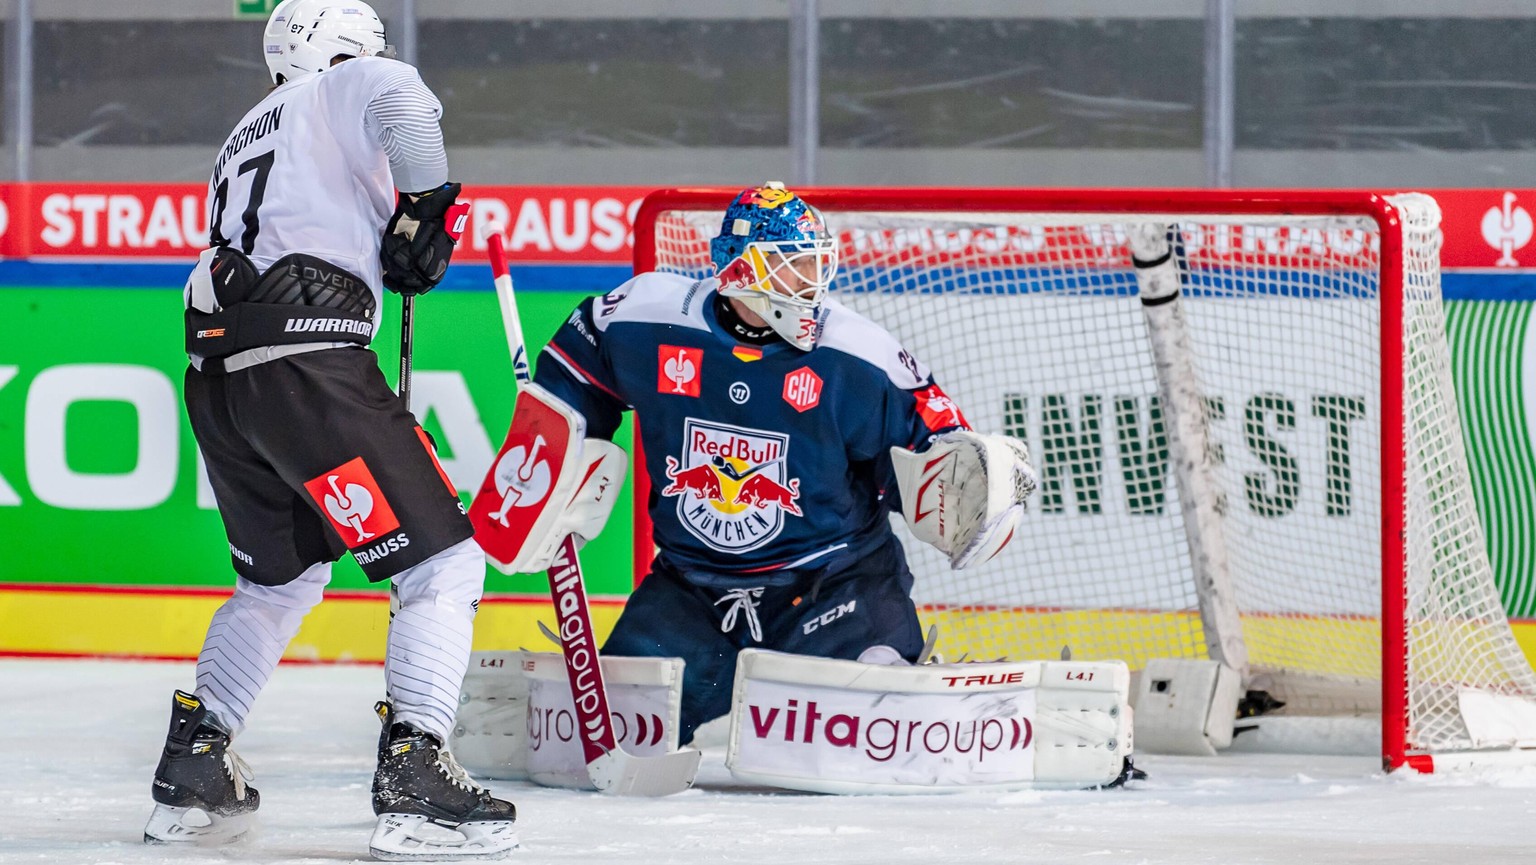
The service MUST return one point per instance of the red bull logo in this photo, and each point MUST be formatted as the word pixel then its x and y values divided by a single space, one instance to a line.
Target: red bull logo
pixel 731 485
pixel 760 491
pixel 702 482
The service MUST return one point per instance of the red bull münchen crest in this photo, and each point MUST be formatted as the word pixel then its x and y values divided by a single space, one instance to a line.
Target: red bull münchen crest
pixel 730 485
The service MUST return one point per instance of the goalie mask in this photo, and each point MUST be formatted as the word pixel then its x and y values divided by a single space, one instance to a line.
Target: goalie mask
pixel 775 253
pixel 304 36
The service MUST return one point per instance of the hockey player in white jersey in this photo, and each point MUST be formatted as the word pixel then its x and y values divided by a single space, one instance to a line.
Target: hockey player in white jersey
pixel 308 451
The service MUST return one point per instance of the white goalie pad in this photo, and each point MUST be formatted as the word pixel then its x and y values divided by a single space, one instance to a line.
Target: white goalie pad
pixel 965 494
pixel 490 733
pixel 831 726
pixel 546 483
pixel 644 701
pixel 1187 706
pixel 516 719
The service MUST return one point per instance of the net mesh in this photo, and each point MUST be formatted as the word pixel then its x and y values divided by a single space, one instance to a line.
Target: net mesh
pixel 1033 324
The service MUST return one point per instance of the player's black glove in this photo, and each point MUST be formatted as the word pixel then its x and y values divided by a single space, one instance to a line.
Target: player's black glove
pixel 419 240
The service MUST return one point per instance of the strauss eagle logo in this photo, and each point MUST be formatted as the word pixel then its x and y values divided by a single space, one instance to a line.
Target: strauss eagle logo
pixel 522 478
pixel 680 370
pixel 350 506
pixel 1507 229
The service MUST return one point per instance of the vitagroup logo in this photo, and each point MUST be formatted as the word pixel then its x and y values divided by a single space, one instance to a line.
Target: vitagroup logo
pixel 1507 229
pixel 882 737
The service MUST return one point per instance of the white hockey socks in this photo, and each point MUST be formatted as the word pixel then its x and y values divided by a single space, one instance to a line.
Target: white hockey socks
pixel 429 638
pixel 246 639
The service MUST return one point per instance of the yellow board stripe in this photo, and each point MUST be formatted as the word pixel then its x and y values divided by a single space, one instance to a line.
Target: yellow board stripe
pixel 80 621
pixel 171 624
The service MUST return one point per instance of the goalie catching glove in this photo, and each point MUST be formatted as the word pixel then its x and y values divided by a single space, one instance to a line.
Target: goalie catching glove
pixel 965 494
pixel 419 240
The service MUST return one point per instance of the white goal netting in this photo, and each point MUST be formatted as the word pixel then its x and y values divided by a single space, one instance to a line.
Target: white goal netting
pixel 1034 323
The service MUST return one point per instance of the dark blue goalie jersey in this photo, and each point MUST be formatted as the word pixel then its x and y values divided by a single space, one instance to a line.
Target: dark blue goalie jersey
pixel 762 459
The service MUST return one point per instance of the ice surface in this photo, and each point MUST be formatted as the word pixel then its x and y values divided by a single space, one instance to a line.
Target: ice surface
pixel 79 740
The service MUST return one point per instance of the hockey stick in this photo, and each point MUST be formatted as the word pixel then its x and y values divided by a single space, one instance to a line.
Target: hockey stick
pixel 407 337
pixel 612 769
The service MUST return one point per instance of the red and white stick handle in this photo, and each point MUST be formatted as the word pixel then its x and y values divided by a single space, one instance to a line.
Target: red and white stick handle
pixel 509 317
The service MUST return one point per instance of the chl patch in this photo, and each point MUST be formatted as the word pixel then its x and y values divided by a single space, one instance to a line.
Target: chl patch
pixel 351 499
pixel 802 389
pixel 679 369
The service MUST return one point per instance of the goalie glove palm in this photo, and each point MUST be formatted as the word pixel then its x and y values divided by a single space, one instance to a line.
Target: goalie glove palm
pixel 965 494
pixel 420 237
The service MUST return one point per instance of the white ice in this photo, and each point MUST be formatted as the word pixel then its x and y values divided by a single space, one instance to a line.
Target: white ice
pixel 79 741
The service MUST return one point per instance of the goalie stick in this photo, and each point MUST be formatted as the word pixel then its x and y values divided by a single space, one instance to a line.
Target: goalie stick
pixel 612 769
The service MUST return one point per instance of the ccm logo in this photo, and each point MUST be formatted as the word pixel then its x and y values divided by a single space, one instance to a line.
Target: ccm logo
pixel 990 679
pixel 830 616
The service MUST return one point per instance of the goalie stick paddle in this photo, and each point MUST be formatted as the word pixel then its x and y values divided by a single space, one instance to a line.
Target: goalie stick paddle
pixel 612 769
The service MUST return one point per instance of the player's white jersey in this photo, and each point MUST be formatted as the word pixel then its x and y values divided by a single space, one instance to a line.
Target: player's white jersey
pixel 304 171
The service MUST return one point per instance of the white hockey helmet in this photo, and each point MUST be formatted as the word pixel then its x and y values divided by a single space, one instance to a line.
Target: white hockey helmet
pixel 303 36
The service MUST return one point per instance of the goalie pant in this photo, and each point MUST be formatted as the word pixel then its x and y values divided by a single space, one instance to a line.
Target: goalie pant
pixel 836 611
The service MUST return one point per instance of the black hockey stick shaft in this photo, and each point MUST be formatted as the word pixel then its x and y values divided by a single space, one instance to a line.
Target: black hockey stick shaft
pixel 407 336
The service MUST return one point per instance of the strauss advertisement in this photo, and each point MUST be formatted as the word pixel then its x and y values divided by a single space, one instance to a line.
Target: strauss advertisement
pixel 148 221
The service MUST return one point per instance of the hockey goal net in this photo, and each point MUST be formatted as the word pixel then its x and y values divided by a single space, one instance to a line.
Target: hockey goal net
pixel 1241 411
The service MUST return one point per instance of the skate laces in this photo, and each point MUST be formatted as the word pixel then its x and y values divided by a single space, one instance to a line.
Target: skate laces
pixel 742 601
pixel 455 773
pixel 239 772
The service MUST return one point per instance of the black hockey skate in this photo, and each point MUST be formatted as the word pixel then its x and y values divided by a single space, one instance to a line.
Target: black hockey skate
pixel 200 792
pixel 427 805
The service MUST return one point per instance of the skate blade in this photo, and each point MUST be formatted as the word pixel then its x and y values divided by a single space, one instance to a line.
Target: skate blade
pixel 194 826
pixel 414 838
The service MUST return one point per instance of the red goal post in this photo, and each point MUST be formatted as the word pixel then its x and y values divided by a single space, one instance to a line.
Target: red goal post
pixel 1273 282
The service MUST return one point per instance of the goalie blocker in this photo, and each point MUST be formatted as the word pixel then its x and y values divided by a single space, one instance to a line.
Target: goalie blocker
pixel 547 483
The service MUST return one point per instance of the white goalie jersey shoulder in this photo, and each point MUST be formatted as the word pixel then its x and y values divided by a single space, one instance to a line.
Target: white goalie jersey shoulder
pixel 965 494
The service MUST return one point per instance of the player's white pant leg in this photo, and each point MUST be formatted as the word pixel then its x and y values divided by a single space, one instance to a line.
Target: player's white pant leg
pixel 246 639
pixel 429 638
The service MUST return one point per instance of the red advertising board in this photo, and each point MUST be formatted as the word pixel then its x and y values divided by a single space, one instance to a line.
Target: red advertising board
pixel 1484 228
pixel 551 224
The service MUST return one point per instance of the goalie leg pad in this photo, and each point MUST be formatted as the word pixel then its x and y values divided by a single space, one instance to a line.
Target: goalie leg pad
pixel 517 722
pixel 1187 706
pixel 644 700
pixel 490 733
pixel 831 726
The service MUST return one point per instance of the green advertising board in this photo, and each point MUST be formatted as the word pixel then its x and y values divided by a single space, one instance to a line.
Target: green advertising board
pixel 1490 351
pixel 254 8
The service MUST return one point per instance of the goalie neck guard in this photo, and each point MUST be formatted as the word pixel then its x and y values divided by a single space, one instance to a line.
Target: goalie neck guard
pixel 775 253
